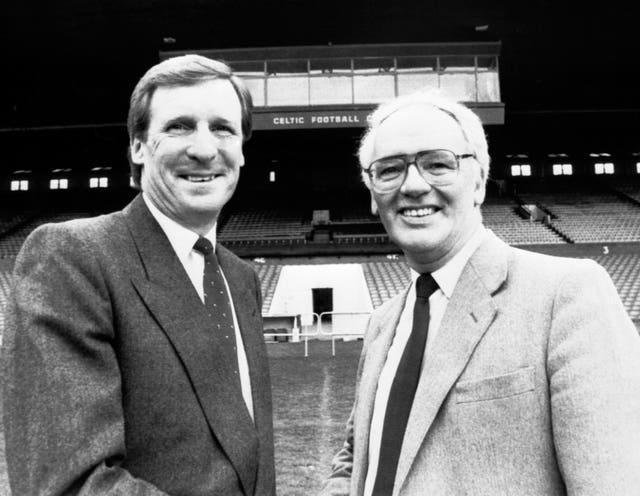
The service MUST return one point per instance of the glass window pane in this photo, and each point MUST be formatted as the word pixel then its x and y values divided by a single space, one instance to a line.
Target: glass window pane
pixel 253 75
pixel 330 66
pixel 488 81
pixel 412 82
pixel 292 90
pixel 515 170
pixel 373 65
pixel 488 87
pixel 373 79
pixel 458 78
pixel 373 89
pixel 412 64
pixel 53 184
pixel 103 182
pixel 557 169
pixel 567 169
pixel 93 182
pixel 329 90
pixel 287 82
pixel 416 73
pixel 599 168
pixel 609 168
pixel 15 185
pixel 24 185
pixel 63 183
pixel 256 88
pixel 638 167
pixel 285 67
pixel 330 81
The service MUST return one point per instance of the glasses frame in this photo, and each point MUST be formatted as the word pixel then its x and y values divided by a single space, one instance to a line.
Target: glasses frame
pixel 410 160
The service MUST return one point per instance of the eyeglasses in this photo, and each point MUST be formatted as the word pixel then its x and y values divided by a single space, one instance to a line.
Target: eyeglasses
pixel 437 167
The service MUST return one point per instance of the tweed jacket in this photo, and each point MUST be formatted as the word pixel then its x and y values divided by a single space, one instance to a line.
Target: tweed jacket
pixel 532 386
pixel 113 379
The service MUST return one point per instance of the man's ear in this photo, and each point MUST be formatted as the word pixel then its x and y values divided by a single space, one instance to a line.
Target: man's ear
pixel 374 205
pixel 137 151
pixel 479 191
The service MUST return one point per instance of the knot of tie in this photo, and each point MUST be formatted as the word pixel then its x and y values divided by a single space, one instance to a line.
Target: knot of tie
pixel 425 286
pixel 204 246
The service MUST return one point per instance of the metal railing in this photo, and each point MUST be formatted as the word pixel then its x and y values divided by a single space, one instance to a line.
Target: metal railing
pixel 347 324
pixel 304 326
pixel 330 325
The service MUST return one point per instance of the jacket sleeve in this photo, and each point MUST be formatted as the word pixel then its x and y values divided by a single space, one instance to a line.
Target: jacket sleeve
pixel 339 482
pixel 63 418
pixel 594 378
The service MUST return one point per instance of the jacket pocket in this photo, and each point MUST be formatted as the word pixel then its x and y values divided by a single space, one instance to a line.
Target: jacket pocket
pixel 491 388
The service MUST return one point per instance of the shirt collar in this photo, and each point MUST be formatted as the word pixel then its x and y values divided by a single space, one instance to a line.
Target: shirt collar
pixel 447 276
pixel 181 238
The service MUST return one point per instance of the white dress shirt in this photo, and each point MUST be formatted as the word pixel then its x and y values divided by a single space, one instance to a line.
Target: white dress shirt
pixel 182 241
pixel 447 278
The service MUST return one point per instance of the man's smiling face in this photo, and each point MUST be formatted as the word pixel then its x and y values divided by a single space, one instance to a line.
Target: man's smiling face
pixel 192 155
pixel 429 224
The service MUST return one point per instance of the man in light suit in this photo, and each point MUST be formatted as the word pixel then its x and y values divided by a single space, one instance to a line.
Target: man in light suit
pixel 118 377
pixel 529 383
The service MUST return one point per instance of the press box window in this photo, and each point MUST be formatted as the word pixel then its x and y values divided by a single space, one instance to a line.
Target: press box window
pixel 58 184
pixel 604 168
pixel 99 182
pixel 20 185
pixel 521 170
pixel 562 169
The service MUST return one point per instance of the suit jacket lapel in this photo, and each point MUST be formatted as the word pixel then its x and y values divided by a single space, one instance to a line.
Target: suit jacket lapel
pixel 174 303
pixel 384 332
pixel 467 317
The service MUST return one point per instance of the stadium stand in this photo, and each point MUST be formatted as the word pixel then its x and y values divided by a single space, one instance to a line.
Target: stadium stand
pixel 629 191
pixel 12 219
pixel 624 270
pixel 249 226
pixel 591 218
pixel 581 217
pixel 502 218
pixel 268 274
pixel 385 279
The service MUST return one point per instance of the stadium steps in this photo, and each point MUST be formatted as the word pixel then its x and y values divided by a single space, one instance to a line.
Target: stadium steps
pixel 268 275
pixel 503 218
pixel 591 218
pixel 385 279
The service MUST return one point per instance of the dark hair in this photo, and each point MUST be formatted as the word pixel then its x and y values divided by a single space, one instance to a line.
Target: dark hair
pixel 185 70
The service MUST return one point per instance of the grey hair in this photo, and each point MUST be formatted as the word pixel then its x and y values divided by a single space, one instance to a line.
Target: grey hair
pixel 470 125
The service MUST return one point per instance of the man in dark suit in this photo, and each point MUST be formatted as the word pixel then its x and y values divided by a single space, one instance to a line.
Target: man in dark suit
pixel 498 370
pixel 125 371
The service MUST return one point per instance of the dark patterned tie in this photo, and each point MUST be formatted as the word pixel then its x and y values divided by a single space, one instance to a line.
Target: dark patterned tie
pixel 217 301
pixel 403 389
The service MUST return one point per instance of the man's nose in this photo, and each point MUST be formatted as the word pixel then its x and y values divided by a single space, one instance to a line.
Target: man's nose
pixel 414 183
pixel 204 145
